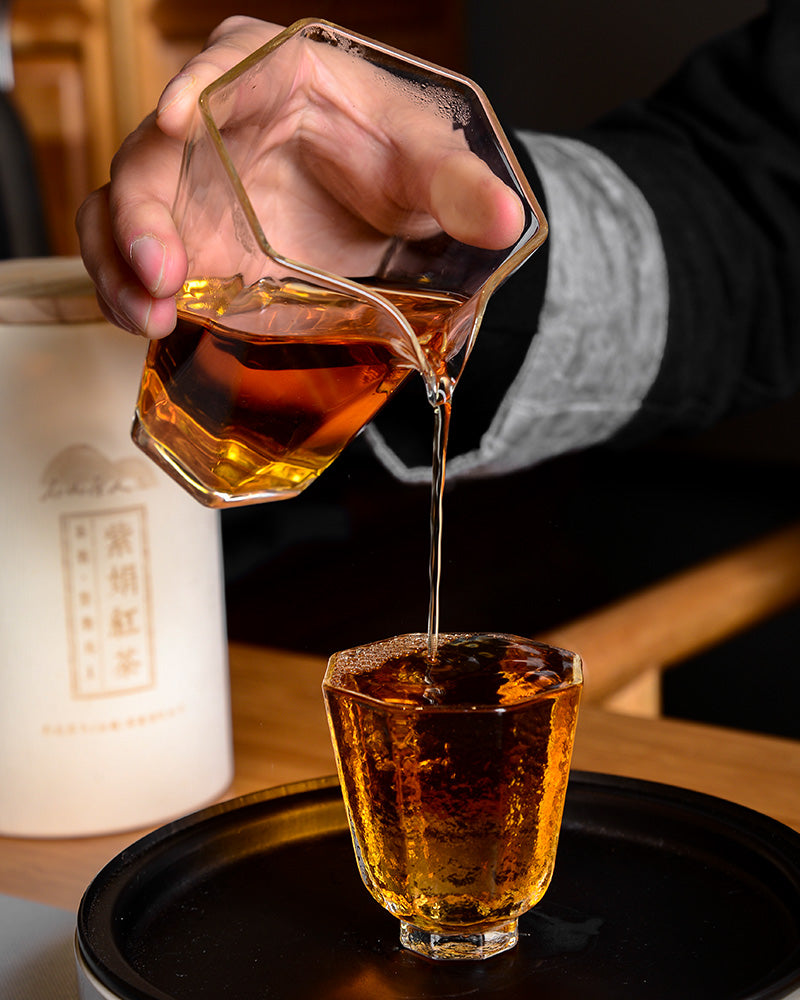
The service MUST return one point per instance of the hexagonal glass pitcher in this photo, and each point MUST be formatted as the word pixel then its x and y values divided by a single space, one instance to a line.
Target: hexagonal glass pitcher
pixel 316 282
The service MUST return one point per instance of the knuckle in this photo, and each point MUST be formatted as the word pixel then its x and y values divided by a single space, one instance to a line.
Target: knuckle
pixel 230 25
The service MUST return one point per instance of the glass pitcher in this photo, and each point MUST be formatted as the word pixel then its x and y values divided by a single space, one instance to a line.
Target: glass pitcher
pixel 308 302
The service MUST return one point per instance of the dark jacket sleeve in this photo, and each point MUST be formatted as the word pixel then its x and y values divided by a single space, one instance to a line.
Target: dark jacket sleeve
pixel 500 349
pixel 716 152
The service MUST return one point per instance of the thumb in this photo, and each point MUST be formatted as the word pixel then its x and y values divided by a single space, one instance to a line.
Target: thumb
pixel 473 205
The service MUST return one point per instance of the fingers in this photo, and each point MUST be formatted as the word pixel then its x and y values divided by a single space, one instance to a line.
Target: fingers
pixel 396 159
pixel 229 43
pixel 144 178
pixel 374 164
pixel 472 204
pixel 123 299
pixel 128 240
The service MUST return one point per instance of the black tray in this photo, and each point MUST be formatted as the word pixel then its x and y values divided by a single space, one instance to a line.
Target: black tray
pixel 658 893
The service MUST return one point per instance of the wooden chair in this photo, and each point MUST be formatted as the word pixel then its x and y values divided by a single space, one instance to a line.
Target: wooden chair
pixel 627 645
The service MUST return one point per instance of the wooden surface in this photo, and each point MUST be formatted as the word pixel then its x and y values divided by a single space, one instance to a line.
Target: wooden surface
pixel 281 736
pixel 709 602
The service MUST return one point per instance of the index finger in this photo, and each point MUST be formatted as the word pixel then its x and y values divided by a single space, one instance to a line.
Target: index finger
pixel 230 42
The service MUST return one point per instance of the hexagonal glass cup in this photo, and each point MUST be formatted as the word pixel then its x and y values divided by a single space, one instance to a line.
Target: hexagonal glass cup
pixel 454 773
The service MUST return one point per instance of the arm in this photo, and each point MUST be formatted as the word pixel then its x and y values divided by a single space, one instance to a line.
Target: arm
pixel 672 289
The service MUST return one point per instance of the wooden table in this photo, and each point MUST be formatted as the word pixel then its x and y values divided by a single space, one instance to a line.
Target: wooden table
pixel 281 736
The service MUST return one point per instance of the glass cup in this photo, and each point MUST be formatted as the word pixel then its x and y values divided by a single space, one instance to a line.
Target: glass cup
pixel 454 773
pixel 310 294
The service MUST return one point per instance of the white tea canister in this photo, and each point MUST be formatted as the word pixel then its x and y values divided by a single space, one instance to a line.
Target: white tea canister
pixel 114 699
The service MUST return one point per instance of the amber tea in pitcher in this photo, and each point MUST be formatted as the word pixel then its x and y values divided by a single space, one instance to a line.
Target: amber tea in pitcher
pixel 259 414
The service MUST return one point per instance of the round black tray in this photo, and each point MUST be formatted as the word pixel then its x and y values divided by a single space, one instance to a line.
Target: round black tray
pixel 658 893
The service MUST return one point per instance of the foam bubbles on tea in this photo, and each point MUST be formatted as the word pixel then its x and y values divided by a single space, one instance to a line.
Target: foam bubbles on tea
pixel 481 669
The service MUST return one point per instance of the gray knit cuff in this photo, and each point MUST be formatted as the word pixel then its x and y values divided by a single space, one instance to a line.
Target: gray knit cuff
pixel 602 330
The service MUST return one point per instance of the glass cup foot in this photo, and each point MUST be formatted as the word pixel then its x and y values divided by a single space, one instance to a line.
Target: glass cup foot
pixel 457 946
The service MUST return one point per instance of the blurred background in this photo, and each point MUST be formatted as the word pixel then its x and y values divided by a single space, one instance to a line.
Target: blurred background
pixel 347 561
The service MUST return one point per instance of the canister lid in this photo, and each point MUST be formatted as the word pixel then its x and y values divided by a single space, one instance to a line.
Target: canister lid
pixel 46 290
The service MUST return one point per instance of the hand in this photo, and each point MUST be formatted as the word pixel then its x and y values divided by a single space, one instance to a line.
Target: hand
pixel 425 178
pixel 128 240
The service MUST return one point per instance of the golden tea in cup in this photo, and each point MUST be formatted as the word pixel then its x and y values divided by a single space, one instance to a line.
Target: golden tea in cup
pixel 454 772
